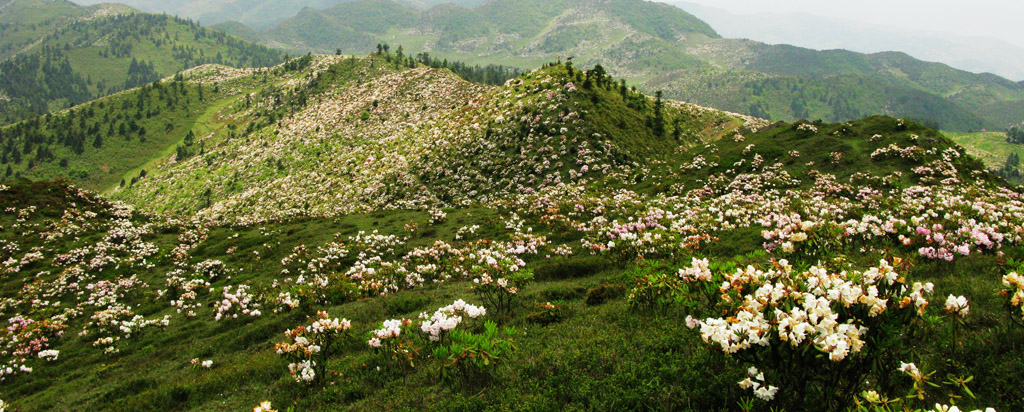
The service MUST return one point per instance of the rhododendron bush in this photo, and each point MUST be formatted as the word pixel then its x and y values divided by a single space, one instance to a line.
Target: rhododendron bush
pixel 811 336
pixel 310 347
pixel 1013 295
pixel 818 333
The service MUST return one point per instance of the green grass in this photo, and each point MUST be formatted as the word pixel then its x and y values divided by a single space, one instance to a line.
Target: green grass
pixel 100 51
pixel 168 113
pixel 104 167
pixel 30 20
pixel 606 356
pixel 991 147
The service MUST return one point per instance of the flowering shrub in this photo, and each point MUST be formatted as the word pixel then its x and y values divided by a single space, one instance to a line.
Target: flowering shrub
pixel 809 329
pixel 210 270
pixel 649 236
pixel 690 286
pixel 807 127
pixel 500 293
pixel 184 293
pixel 310 347
pixel 118 321
pixel 654 290
pixel 241 302
pixel 445 319
pixel 26 339
pixel 196 363
pixel 437 216
pixel 398 349
pixel 1013 295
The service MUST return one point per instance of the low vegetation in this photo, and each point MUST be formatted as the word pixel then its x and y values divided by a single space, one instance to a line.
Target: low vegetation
pixel 800 265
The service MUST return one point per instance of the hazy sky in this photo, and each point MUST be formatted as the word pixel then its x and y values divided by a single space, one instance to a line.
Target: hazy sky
pixel 996 18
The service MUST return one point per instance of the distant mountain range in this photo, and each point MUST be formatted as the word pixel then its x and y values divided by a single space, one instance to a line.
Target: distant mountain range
pixel 661 47
pixel 54 54
pixel 259 14
pixel 655 46
pixel 974 54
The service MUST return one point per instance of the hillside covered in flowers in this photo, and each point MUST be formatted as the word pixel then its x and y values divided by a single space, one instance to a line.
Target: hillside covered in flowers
pixel 359 134
pixel 352 233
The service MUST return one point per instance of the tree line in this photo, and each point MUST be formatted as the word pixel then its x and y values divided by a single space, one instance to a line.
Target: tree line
pixel 492 74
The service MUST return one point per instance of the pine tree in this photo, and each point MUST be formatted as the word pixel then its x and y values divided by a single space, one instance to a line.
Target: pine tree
pixel 659 116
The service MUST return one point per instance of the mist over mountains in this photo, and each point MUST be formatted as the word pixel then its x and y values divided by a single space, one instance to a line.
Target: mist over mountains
pixel 258 14
pixel 965 52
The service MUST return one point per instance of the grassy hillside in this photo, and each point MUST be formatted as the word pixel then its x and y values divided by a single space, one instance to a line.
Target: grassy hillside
pixel 793 82
pixel 26 21
pixel 608 273
pixel 85 53
pixel 323 30
pixel 409 126
pixel 107 144
pixel 99 143
pixel 993 149
pixel 832 98
pixel 660 47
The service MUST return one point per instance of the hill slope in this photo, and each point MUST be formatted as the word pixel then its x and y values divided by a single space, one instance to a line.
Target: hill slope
pixel 59 54
pixel 960 50
pixel 412 138
pixel 661 47
pixel 174 312
pixel 259 131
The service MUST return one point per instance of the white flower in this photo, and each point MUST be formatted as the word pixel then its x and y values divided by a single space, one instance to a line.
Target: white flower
pixel 911 370
pixel 263 407
pixel 50 355
pixel 766 393
pixel 957 305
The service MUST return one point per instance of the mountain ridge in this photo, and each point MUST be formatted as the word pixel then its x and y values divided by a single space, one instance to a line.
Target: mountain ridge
pixel 59 54
pixel 977 55
pixel 643 41
pixel 323 98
